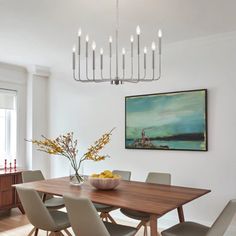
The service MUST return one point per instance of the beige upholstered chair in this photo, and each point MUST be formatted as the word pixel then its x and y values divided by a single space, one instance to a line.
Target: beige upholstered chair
pixel 86 222
pixel 105 209
pixel 50 201
pixel 39 216
pixel 154 178
pixel 217 229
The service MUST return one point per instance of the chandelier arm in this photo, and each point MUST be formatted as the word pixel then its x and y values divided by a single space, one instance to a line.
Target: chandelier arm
pixel 117 36
pixel 138 50
pixel 123 64
pixel 144 74
pixel 132 67
pixel 159 67
pixel 110 69
pixel 79 50
pixel 87 76
pixel 74 76
pixel 153 64
pixel 101 68
pixel 132 60
pixel 110 56
pixel 86 55
pixel 93 64
pixel 159 58
pixel 79 66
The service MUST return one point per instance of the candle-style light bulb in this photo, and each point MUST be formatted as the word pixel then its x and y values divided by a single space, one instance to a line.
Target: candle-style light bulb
pixel 145 50
pixel 123 51
pixel 73 57
pixel 159 33
pixel 79 32
pixel 87 38
pixel 153 46
pixel 110 39
pixel 138 31
pixel 101 51
pixel 93 45
pixel 131 38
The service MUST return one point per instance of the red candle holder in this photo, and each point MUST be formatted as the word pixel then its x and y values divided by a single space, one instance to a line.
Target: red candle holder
pixel 14 164
pixel 5 164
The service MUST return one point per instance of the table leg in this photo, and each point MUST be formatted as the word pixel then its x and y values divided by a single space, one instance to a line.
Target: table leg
pixel 153 225
pixel 21 209
pixel 181 214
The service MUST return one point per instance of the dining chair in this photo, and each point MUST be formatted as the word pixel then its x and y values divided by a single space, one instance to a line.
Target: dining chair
pixel 49 200
pixel 154 178
pixel 103 209
pixel 218 228
pixel 39 216
pixel 86 222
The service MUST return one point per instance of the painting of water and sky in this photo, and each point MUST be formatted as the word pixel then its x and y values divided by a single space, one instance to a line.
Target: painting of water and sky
pixel 167 121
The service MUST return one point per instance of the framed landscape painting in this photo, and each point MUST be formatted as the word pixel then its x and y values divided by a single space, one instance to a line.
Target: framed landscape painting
pixel 167 121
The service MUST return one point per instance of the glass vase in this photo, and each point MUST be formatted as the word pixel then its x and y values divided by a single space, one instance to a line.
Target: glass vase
pixel 76 177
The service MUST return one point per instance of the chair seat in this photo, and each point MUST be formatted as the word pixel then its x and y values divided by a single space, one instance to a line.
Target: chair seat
pixel 103 207
pixel 137 215
pixel 119 230
pixel 54 202
pixel 61 220
pixel 186 229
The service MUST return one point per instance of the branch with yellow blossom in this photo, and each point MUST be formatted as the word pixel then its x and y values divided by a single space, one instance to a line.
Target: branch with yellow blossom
pixel 65 145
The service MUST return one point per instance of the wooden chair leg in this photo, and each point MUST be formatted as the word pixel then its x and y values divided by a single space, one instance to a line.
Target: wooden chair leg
pixel 145 231
pixel 102 216
pixel 111 219
pixel 139 225
pixel 36 231
pixel 31 232
pixel 67 232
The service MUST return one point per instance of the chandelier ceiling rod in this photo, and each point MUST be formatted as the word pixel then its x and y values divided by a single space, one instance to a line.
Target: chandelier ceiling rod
pixel 117 79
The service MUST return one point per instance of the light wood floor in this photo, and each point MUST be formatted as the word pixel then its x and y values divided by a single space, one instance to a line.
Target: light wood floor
pixel 13 223
pixel 12 219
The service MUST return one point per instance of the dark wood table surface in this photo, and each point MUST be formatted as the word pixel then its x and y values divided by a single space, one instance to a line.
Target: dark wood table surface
pixel 155 199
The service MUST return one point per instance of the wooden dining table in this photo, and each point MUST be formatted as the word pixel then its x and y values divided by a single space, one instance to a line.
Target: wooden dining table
pixel 154 199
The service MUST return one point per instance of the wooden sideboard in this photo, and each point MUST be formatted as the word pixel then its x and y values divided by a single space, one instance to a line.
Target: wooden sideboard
pixel 8 195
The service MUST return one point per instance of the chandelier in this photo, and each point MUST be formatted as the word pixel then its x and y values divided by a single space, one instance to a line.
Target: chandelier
pixel 118 74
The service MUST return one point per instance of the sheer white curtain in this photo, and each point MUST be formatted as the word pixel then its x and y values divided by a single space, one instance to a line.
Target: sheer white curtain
pixel 8 99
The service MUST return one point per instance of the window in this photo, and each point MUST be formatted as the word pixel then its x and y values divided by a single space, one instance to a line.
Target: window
pixel 7 126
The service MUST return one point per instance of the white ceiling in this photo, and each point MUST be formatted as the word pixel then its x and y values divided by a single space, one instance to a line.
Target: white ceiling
pixel 42 32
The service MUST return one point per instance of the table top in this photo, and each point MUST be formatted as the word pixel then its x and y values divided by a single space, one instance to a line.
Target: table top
pixel 150 198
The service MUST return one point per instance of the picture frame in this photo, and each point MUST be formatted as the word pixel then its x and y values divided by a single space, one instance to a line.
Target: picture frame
pixel 167 121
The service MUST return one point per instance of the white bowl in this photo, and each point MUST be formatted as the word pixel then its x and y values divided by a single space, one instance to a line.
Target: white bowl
pixel 104 183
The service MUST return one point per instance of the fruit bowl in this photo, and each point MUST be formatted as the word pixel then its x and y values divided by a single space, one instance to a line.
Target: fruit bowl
pixel 104 181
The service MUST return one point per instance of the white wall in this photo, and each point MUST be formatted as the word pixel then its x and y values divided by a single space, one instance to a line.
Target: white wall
pixel 91 109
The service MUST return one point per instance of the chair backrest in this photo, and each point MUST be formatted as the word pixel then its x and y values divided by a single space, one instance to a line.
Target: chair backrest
pixel 158 178
pixel 35 210
pixel 32 175
pixel 125 175
pixel 83 217
pixel 223 221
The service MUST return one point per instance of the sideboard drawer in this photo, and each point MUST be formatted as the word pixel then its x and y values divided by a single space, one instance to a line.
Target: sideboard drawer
pixel 6 198
pixel 6 182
